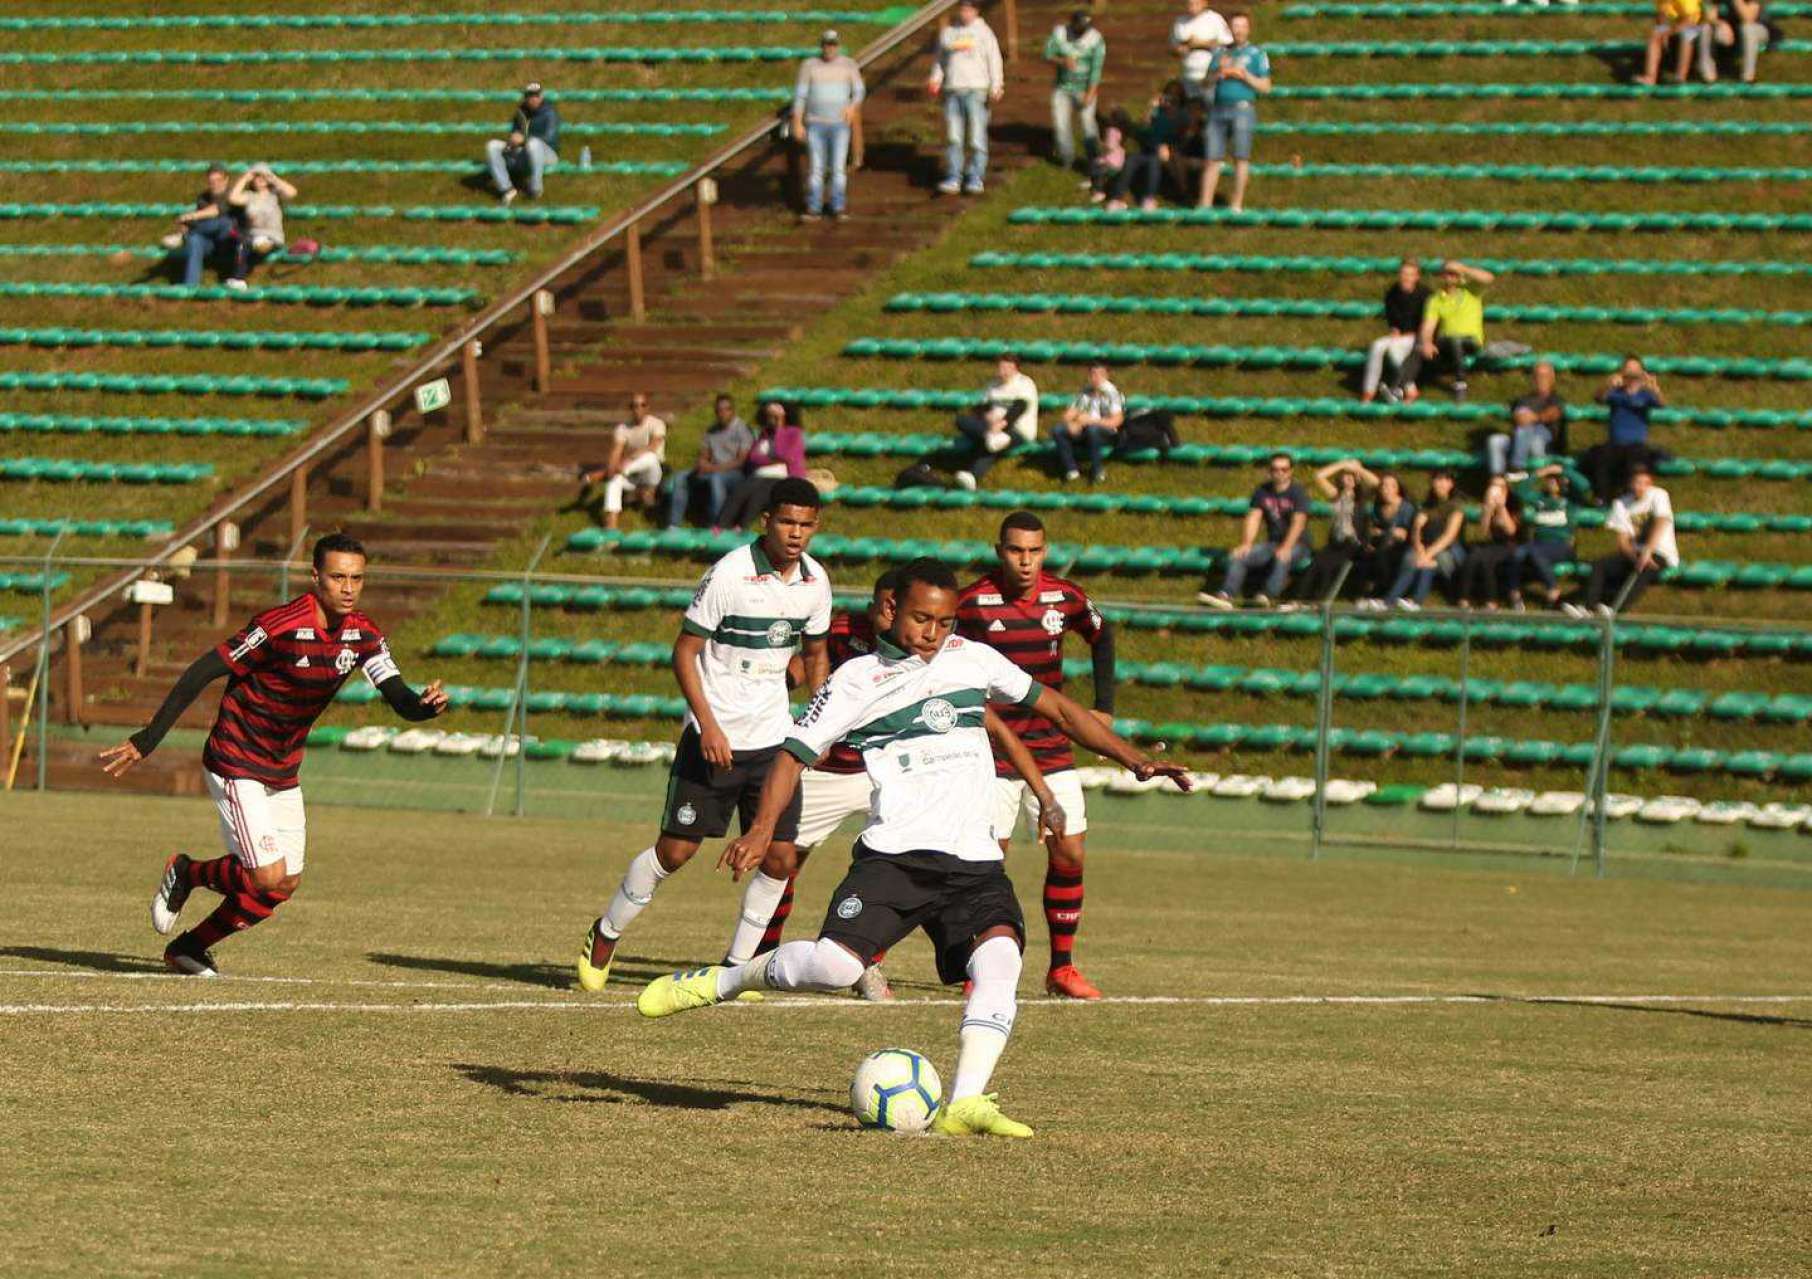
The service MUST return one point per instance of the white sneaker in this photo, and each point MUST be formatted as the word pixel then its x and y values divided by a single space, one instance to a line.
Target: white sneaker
pixel 949 188
pixel 1408 605
pixel 1605 610
pixel 872 985
pixel 965 481
pixel 999 441
pixel 1515 477
pixel 508 197
pixel 1261 600
pixel 1573 610
pixel 1071 476
pixel 237 285
pixel 1370 606
pixel 173 240
pixel 1214 599
pixel 172 892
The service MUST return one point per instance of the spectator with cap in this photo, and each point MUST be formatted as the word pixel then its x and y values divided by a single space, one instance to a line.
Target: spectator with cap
pixel 638 449
pixel 211 227
pixel 826 97
pixel 1079 53
pixel 1453 328
pixel 721 455
pixel 1404 304
pixel 1239 73
pixel 967 77
pixel 531 150
pixel 1538 428
pixel 1280 511
pixel 1194 37
pixel 1643 520
pixel 258 197
pixel 1093 420
pixel 1007 414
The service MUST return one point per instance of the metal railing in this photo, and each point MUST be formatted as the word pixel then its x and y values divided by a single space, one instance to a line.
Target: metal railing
pixel 462 344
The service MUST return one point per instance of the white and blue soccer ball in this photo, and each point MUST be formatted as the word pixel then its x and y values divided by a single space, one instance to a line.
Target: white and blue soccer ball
pixel 896 1089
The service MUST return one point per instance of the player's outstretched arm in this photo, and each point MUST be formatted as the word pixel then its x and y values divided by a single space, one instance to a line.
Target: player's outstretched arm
pixel 745 853
pixel 1008 746
pixel 411 705
pixel 1085 729
pixel 117 761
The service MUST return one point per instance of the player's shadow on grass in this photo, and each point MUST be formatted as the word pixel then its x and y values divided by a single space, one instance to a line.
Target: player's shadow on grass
pixel 1671 1010
pixel 597 1086
pixel 633 969
pixel 100 961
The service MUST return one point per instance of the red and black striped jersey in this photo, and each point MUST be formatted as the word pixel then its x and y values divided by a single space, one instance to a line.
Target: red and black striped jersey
pixel 851 635
pixel 286 668
pixel 1029 631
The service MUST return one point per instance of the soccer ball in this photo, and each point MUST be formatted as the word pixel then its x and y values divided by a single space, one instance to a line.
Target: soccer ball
pixel 895 1089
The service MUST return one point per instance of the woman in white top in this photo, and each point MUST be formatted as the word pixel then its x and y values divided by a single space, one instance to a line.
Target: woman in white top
pixel 258 196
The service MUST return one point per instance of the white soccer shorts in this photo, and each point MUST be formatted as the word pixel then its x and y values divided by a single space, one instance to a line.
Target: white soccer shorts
pixel 1012 797
pixel 825 799
pixel 260 826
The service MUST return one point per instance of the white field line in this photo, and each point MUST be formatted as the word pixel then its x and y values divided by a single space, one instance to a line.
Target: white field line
pixel 818 1003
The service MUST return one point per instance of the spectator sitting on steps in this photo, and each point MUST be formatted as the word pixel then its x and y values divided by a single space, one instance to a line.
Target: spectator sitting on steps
pixel 211 227
pixel 778 454
pixel 967 77
pixel 1538 428
pixel 721 455
pixel 1453 328
pixel 1549 519
pixel 258 195
pixel 1643 520
pixel 1631 396
pixel 1007 414
pixel 1674 19
pixel 1280 511
pixel 532 149
pixel 1436 547
pixel 638 447
pixel 1093 419
pixel 1405 302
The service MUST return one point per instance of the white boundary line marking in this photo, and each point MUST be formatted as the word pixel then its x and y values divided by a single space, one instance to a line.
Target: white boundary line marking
pixel 824 1002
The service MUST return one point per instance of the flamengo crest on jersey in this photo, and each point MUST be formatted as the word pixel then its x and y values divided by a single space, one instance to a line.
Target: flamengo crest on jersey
pixel 752 621
pixel 919 727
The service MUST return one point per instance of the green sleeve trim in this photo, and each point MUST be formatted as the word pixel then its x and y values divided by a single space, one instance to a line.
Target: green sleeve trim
pixel 1032 695
pixel 800 751
pixel 818 635
pixel 690 627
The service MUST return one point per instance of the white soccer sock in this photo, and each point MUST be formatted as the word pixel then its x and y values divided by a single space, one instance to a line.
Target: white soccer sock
pixel 988 1016
pixel 644 875
pixel 796 965
pixel 759 900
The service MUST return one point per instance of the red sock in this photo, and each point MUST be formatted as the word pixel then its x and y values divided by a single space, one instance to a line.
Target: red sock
pixel 1062 913
pixel 223 875
pixel 770 940
pixel 235 914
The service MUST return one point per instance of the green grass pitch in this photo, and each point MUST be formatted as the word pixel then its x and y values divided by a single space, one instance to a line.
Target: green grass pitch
pixel 1356 1067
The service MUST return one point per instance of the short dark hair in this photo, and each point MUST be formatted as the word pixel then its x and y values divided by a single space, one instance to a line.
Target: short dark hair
pixel 217 168
pixel 723 397
pixel 1024 521
pixel 1642 468
pixel 927 570
pixel 341 543
pixel 1280 456
pixel 1011 357
pixel 793 491
pixel 888 581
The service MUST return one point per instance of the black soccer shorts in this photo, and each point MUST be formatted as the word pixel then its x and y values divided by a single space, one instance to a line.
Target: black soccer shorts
pixel 701 798
pixel 885 896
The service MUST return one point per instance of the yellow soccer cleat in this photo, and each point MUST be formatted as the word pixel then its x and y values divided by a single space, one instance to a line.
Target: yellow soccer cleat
pixel 679 993
pixel 593 973
pixel 977 1117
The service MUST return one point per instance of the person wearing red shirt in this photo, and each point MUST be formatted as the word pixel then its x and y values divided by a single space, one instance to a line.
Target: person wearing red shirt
pixel 283 669
pixel 1025 612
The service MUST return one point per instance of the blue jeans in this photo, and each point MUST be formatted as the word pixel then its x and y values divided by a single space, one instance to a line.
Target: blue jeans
pixel 1515 452
pixel 717 486
pixel 1094 438
pixel 1070 114
pixel 966 119
pixel 202 241
pixel 528 164
pixel 1539 558
pixel 828 145
pixel 1229 130
pixel 1261 554
pixel 1417 582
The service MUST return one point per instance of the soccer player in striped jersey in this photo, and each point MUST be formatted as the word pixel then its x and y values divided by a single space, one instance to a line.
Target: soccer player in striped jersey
pixel 752 610
pixel 282 669
pixel 1025 612
pixel 928 857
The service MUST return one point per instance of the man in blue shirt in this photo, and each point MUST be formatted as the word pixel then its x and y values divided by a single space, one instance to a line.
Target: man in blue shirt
pixel 532 147
pixel 1631 395
pixel 1238 72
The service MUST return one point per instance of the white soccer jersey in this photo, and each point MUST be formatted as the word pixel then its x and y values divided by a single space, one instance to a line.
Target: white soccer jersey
pixel 919 727
pixel 751 619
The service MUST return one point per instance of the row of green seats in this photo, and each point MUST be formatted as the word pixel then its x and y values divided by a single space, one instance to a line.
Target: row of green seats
pixel 613 705
pixel 1265 264
pixel 1793 369
pixel 1468 48
pixel 551 213
pixel 1369 91
pixel 292 57
pixel 311 388
pixel 86 528
pixel 888 16
pixel 1280 406
pixel 299 294
pixel 1418 219
pixel 1098 558
pixel 1645 174
pixel 398 254
pixel 555 649
pixel 1537 129
pixel 63 470
pixel 612 167
pixel 1498 9
pixel 1137 304
pixel 1502 630
pixel 214 339
pixel 81 424
pixel 412 128
pixel 250 95
pixel 33 583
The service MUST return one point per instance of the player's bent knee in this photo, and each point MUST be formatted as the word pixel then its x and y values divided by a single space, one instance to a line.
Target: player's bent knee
pixel 270 878
pixel 673 853
pixel 782 861
pixel 834 964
